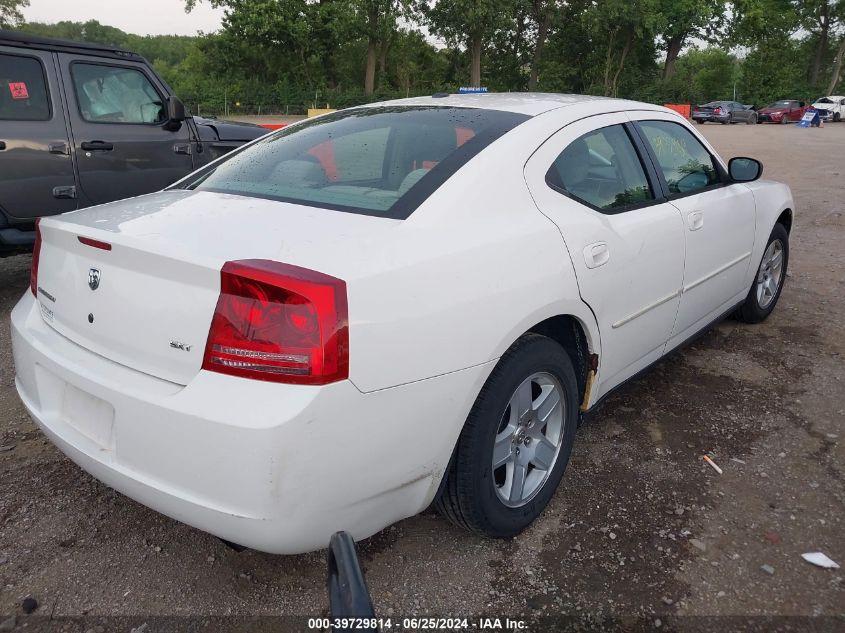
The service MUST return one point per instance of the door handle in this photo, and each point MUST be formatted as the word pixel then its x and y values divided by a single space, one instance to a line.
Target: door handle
pixel 67 192
pixel 182 148
pixel 97 146
pixel 596 255
pixel 58 148
pixel 695 220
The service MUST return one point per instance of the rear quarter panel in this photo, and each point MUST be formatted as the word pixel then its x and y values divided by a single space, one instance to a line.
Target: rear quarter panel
pixel 472 269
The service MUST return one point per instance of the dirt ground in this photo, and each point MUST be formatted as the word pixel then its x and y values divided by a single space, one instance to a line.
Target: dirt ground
pixel 641 535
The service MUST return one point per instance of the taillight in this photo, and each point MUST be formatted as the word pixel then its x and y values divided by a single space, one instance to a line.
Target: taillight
pixel 717 111
pixel 280 323
pixel 36 255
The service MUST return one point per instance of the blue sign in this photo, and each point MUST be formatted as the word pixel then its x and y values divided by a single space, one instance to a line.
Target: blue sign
pixel 810 119
pixel 470 90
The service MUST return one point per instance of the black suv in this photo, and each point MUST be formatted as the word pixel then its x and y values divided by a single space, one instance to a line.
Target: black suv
pixel 84 124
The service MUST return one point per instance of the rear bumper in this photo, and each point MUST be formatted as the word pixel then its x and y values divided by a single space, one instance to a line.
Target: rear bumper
pixel 711 117
pixel 278 468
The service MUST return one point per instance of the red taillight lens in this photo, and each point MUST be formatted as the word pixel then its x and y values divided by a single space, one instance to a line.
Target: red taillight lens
pixel 105 246
pixel 36 255
pixel 279 322
pixel 717 111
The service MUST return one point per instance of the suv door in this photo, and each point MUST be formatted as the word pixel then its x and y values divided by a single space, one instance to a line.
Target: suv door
pixel 36 170
pixel 117 114
pixel 719 218
pixel 626 243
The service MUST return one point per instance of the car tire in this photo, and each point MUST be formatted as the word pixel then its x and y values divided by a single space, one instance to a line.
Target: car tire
pixel 473 494
pixel 784 120
pixel 751 120
pixel 836 117
pixel 768 281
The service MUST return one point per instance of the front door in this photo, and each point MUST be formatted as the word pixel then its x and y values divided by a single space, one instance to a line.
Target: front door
pixel 117 116
pixel 626 244
pixel 719 221
pixel 36 170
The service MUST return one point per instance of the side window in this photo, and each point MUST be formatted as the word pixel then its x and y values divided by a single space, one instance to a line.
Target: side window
pixel 111 94
pixel 601 168
pixel 686 164
pixel 23 90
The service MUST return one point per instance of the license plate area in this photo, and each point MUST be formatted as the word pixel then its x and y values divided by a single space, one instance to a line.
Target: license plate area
pixel 88 415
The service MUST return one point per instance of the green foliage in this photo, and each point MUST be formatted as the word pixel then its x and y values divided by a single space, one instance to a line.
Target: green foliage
pixel 10 12
pixel 278 56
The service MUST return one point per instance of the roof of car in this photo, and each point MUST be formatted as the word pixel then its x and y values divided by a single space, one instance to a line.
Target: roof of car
pixel 528 103
pixel 27 40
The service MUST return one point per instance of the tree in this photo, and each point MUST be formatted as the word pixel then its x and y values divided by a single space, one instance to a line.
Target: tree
pixel 469 23
pixel 542 13
pixel 680 20
pixel 10 12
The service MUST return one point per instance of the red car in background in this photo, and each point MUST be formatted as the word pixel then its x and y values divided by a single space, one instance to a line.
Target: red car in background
pixel 784 111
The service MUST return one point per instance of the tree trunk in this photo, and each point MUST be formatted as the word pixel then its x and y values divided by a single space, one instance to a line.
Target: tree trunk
pixel 614 87
pixel 475 68
pixel 542 31
pixel 821 47
pixel 608 63
pixel 370 77
pixel 837 67
pixel 673 50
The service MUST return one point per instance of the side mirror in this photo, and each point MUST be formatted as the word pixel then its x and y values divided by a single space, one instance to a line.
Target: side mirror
pixel 744 169
pixel 175 111
pixel 348 594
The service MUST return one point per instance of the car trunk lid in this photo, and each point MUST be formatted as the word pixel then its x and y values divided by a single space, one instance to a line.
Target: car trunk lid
pixel 141 286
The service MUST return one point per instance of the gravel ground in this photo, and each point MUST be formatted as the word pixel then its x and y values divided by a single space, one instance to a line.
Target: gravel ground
pixel 641 535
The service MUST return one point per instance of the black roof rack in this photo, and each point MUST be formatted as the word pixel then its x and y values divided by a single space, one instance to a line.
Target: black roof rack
pixel 26 40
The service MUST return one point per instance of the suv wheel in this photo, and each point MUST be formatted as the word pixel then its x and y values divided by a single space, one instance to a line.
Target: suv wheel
pixel 516 442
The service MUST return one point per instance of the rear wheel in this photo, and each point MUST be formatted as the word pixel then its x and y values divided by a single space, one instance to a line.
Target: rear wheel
pixel 768 283
pixel 751 120
pixel 516 442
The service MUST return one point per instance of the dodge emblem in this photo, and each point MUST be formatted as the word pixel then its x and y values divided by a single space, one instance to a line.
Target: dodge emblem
pixel 93 279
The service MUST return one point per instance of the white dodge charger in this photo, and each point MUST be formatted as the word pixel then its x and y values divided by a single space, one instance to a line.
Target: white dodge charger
pixel 388 306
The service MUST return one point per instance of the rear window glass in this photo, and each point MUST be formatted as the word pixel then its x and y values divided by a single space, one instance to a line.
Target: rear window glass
pixel 23 91
pixel 377 161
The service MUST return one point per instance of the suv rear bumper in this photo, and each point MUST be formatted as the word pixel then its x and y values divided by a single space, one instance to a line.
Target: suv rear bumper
pixel 275 467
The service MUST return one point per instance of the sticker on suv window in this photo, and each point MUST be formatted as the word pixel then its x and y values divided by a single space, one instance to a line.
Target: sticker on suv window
pixel 18 90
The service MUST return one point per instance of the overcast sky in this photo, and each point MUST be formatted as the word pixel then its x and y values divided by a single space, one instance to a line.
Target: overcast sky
pixel 144 17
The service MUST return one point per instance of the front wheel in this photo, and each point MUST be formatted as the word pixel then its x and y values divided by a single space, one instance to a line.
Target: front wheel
pixel 516 442
pixel 784 120
pixel 768 283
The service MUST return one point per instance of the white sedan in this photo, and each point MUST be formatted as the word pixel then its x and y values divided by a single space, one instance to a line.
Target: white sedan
pixel 388 306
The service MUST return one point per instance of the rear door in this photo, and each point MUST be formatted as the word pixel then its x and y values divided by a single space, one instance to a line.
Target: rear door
pixel 626 243
pixel 117 112
pixel 719 220
pixel 36 170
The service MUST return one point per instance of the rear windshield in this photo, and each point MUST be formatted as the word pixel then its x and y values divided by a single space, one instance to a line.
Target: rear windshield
pixel 376 161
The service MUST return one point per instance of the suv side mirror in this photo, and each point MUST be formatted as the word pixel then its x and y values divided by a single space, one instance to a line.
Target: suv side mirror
pixel 175 110
pixel 744 169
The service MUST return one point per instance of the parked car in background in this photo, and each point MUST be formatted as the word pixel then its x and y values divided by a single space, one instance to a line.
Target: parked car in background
pixel 784 111
pixel 830 108
pixel 83 124
pixel 724 112
pixel 392 305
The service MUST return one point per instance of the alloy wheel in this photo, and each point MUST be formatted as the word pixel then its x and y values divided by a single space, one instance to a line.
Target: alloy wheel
pixel 770 274
pixel 529 439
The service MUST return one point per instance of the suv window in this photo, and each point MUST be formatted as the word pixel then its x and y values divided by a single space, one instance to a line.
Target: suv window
pixel 686 164
pixel 23 90
pixel 380 161
pixel 601 168
pixel 112 94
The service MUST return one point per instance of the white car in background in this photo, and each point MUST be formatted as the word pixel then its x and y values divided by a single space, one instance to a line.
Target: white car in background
pixel 830 108
pixel 395 304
